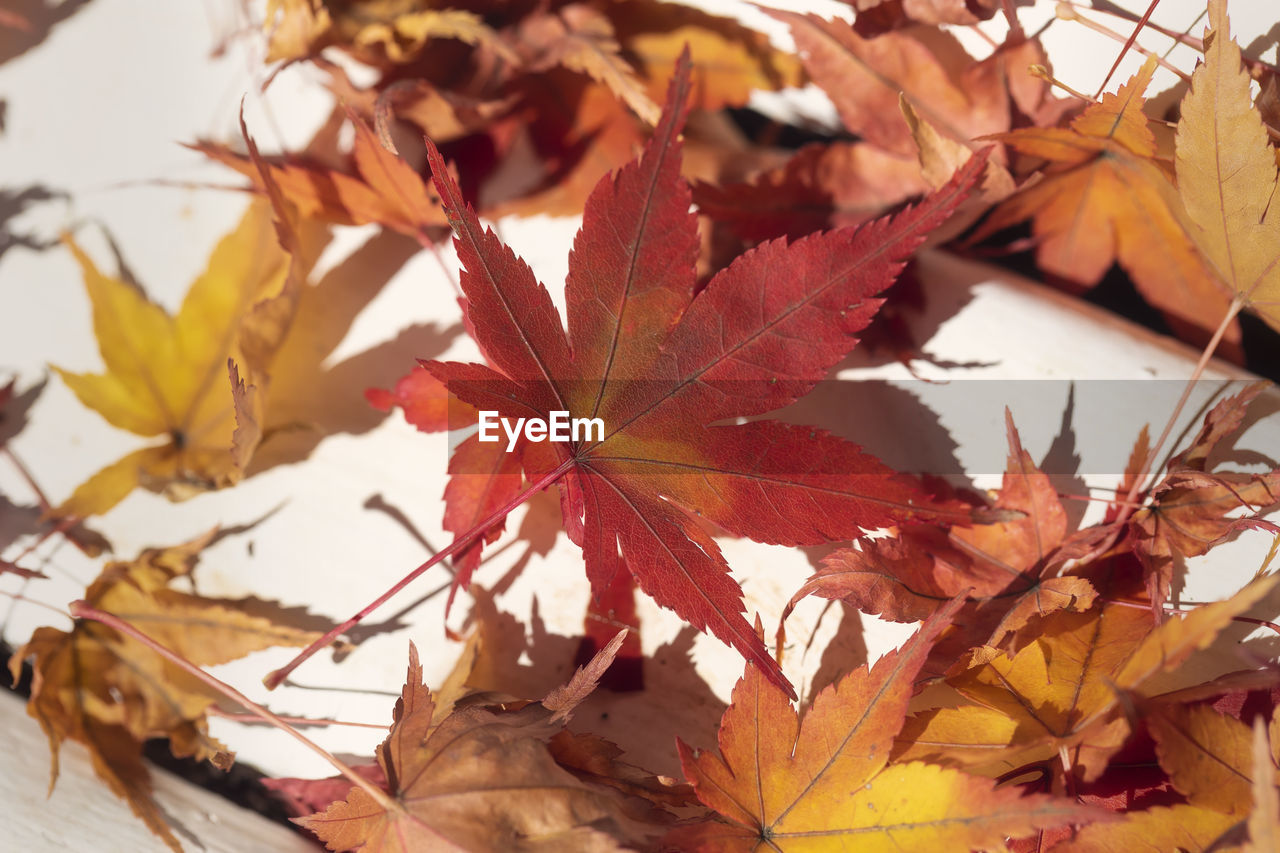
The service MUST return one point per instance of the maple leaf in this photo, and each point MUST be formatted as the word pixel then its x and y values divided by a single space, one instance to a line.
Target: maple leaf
pixel 865 78
pixel 1104 197
pixel 825 780
pixel 304 797
pixel 383 188
pixel 394 31
pixel 1193 509
pixel 1133 781
pixel 1264 820
pixel 482 779
pixel 879 16
pixel 163 372
pixel 822 186
pixel 110 693
pixel 1208 755
pixel 660 366
pixel 1181 827
pixel 838 183
pixel 940 158
pixel 729 60
pixel 582 39
pixel 1059 694
pixel 1227 173
pixel 422 399
pixel 1004 567
pixel 562 82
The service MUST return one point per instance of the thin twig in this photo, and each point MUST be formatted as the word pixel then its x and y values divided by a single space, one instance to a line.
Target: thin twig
pixel 82 610
pixel 293 721
pixel 273 679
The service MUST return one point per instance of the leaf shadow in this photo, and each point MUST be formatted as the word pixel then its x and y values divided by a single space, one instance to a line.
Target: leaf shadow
pixel 535 532
pixel 231 531
pixel 528 661
pixel 845 652
pixel 18 520
pixel 676 703
pixel 13 203
pixel 16 410
pixel 1061 463
pixel 310 399
pixel 886 420
pixel 914 309
pixel 538 530
pixel 1263 43
pixel 39 18
pixel 1228 451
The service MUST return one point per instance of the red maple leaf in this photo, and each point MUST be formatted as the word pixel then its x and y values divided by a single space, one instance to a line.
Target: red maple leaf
pixel 663 366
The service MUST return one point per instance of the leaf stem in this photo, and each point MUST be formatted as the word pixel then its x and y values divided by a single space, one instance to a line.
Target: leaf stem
pixel 1232 310
pixel 1069 496
pixel 82 610
pixel 273 679
pixel 45 506
pixel 1016 32
pixel 1130 502
pixel 1192 605
pixel 293 721
pixel 17 596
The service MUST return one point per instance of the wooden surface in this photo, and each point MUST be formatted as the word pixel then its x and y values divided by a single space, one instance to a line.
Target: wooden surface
pixel 81 815
pixel 322 532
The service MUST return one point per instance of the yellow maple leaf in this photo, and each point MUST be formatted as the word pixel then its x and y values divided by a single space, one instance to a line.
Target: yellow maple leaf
pixel 197 378
pixel 393 31
pixel 1185 828
pixel 1264 820
pixel 1059 695
pixel 1208 755
pixel 1227 173
pixel 110 693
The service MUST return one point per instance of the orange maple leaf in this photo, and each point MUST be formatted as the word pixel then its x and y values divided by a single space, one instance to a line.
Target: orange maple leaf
pixel 1104 197
pixel 1192 509
pixel 796 784
pixel 383 189
pixel 1008 569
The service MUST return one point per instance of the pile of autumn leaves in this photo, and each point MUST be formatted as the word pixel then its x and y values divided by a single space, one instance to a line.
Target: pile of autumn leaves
pixel 1063 705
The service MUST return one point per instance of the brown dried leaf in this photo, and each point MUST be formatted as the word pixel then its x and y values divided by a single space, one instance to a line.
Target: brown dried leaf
pixel 865 78
pixel 111 693
pixel 480 779
pixel 821 187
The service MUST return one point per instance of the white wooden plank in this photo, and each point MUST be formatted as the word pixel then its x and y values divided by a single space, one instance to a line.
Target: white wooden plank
pixel 81 814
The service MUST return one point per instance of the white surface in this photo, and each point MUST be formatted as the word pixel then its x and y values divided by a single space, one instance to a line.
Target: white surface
pixel 103 102
pixel 78 817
